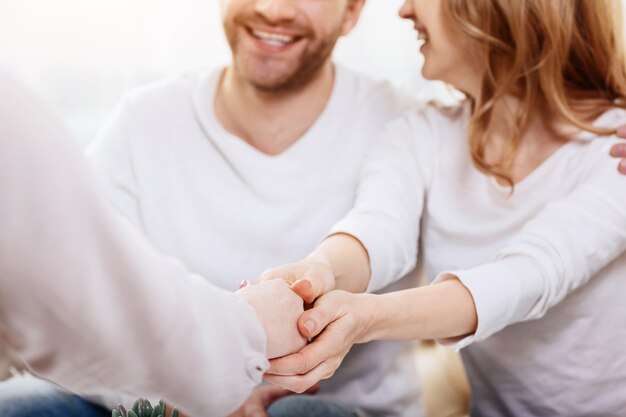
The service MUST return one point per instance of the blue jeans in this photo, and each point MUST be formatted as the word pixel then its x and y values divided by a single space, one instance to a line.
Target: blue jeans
pixel 309 406
pixel 31 397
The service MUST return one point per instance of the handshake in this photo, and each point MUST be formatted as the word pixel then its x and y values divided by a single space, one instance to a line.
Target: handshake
pixel 333 323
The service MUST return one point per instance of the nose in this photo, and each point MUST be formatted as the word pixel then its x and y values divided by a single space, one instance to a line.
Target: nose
pixel 277 11
pixel 406 11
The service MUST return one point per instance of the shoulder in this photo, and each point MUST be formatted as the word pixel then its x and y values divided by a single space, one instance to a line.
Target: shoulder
pixel 593 150
pixel 433 122
pixel 168 95
pixel 376 97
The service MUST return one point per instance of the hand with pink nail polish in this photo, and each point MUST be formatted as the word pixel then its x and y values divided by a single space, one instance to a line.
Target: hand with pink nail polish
pixel 279 309
pixel 619 150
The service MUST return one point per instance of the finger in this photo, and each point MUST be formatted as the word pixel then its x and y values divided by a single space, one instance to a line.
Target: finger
pixel 622 167
pixel 300 363
pixel 619 150
pixel 244 283
pixel 621 132
pixel 313 321
pixel 284 273
pixel 304 288
pixel 301 383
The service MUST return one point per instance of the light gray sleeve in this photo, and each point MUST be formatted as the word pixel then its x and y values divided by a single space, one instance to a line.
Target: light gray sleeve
pixel 557 252
pixel 87 303
pixel 111 160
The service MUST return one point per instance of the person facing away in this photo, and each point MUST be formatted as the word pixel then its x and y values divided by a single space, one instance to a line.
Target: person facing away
pixel 86 302
pixel 236 169
pixel 520 209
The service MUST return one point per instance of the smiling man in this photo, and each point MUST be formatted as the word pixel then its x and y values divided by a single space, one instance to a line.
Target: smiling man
pixel 218 168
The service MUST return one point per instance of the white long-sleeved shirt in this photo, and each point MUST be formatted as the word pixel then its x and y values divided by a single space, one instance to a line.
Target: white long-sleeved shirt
pixel 86 301
pixel 228 211
pixel 545 265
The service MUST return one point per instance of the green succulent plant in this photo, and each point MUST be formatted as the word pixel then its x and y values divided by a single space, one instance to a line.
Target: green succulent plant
pixel 143 408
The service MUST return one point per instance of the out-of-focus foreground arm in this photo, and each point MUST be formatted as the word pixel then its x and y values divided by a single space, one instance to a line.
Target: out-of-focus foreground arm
pixel 87 303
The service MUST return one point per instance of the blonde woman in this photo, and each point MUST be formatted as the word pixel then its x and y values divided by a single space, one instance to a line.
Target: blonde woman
pixel 520 209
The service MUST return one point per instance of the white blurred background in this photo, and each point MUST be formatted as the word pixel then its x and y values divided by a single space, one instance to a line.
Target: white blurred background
pixel 84 54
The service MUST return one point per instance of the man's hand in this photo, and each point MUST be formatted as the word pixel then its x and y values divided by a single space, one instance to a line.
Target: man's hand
pixel 308 278
pixel 279 308
pixel 337 321
pixel 619 151
pixel 261 398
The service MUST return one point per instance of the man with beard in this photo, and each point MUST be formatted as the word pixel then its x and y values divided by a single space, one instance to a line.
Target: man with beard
pixel 218 168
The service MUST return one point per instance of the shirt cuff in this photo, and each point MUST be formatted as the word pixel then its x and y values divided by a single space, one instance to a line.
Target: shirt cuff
pixel 503 293
pixel 256 362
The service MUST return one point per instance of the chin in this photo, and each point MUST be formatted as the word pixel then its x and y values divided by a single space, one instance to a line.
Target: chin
pixel 428 74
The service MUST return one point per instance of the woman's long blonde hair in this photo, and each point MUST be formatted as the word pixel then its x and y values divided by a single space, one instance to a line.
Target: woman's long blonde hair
pixel 550 54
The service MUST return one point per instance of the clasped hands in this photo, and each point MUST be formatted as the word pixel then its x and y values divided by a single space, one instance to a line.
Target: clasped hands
pixel 334 322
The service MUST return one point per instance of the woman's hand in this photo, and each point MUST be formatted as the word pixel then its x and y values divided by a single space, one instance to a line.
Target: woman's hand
pixel 619 151
pixel 338 320
pixel 309 278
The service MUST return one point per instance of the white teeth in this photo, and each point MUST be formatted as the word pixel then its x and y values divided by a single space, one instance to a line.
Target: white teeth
pixel 422 36
pixel 273 38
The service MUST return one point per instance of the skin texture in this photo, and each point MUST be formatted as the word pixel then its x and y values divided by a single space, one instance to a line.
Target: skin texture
pixel 285 308
pixel 272 93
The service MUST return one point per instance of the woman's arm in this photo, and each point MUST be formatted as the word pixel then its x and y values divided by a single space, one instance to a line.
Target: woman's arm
pixel 559 250
pixel 341 319
pixel 376 242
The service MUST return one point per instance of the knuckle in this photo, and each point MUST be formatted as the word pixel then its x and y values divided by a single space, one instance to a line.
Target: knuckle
pixel 303 365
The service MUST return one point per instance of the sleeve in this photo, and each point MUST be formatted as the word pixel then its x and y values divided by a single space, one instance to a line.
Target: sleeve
pixel 390 199
pixel 111 159
pixel 85 300
pixel 558 251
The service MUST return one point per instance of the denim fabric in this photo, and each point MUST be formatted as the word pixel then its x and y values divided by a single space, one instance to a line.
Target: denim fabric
pixel 309 406
pixel 26 396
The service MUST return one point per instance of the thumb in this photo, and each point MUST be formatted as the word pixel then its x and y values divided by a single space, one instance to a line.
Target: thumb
pixel 284 272
pixel 304 288
pixel 313 321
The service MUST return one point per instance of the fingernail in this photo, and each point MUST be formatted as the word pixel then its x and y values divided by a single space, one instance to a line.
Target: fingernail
pixel 244 283
pixel 622 167
pixel 310 326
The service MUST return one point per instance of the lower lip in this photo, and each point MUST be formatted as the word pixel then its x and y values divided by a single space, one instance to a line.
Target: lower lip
pixel 423 47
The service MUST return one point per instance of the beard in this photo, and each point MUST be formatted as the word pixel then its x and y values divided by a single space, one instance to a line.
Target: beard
pixel 285 75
